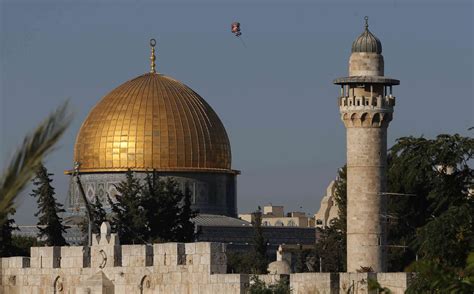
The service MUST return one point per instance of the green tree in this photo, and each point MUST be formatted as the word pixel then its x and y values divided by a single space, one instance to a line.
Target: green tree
pixel 340 197
pixel 98 216
pixel 240 262
pixel 436 171
pixel 128 214
pixel 448 238
pixel 254 261
pixel 330 248
pixel 259 245
pixel 22 244
pixel 433 277
pixel 6 237
pixel 168 210
pixel 50 224
pixel 300 260
pixel 161 199
pixel 185 229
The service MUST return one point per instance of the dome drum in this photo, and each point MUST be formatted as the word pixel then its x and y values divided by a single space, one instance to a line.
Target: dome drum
pixel 366 64
pixel 211 193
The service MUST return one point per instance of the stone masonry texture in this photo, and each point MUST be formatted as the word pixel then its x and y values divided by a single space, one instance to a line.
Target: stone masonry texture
pixel 189 268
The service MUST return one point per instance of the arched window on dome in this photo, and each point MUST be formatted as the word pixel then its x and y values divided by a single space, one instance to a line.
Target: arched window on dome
pixel 279 223
pixel 291 223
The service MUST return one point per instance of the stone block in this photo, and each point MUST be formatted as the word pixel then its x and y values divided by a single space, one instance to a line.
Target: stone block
pixel 171 248
pixel 315 283
pixel 45 257
pixel 175 278
pixel 137 255
pixel 396 282
pixel 189 259
pixel 103 256
pixel 169 254
pixel 190 248
pixel 75 256
pixel 203 247
pixel 12 262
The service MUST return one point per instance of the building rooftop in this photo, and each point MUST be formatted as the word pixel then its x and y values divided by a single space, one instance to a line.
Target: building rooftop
pixel 219 220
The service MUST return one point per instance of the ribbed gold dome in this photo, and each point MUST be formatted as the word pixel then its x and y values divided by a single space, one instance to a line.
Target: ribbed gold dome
pixel 153 122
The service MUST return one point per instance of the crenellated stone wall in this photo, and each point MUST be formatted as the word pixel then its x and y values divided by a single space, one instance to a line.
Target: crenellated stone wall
pixel 199 268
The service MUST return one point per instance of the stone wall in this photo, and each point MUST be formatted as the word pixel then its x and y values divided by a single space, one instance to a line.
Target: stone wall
pixel 198 268
pixel 315 283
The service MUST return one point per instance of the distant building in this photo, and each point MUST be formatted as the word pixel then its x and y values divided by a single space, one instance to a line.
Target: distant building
pixel 274 216
pixel 328 209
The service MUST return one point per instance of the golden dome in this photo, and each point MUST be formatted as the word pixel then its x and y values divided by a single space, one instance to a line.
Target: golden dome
pixel 153 122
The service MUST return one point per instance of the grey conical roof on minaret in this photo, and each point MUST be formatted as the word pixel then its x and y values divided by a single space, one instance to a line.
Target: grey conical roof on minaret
pixel 366 68
pixel 367 42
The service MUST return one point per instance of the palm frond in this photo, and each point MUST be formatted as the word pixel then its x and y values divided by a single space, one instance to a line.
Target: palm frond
pixel 24 163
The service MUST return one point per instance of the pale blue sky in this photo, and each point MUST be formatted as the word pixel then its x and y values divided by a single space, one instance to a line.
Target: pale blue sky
pixel 275 97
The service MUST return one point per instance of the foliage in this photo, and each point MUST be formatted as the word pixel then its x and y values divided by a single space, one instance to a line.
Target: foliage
pixel 49 222
pixel 306 260
pixel 98 216
pixel 258 286
pixel 447 239
pixel 168 210
pixel 375 287
pixel 259 245
pixel 300 261
pixel 29 155
pixel 128 213
pixel 330 248
pixel 240 262
pixel 254 261
pixel 436 223
pixel 155 211
pixel 340 197
pixel 22 244
pixel 161 197
pixel 185 229
pixel 6 242
pixel 434 277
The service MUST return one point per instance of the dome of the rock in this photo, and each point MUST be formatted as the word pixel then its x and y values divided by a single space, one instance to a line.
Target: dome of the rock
pixel 155 123
pixel 152 122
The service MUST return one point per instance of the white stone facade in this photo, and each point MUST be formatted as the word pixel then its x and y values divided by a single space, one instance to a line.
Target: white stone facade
pixel 328 209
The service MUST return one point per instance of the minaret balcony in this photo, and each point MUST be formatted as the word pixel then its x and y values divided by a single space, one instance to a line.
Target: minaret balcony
pixel 379 103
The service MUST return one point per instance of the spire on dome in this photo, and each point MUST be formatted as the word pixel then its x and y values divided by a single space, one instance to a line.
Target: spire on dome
pixel 153 57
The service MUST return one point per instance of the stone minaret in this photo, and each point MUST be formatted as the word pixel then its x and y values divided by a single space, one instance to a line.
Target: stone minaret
pixel 366 105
